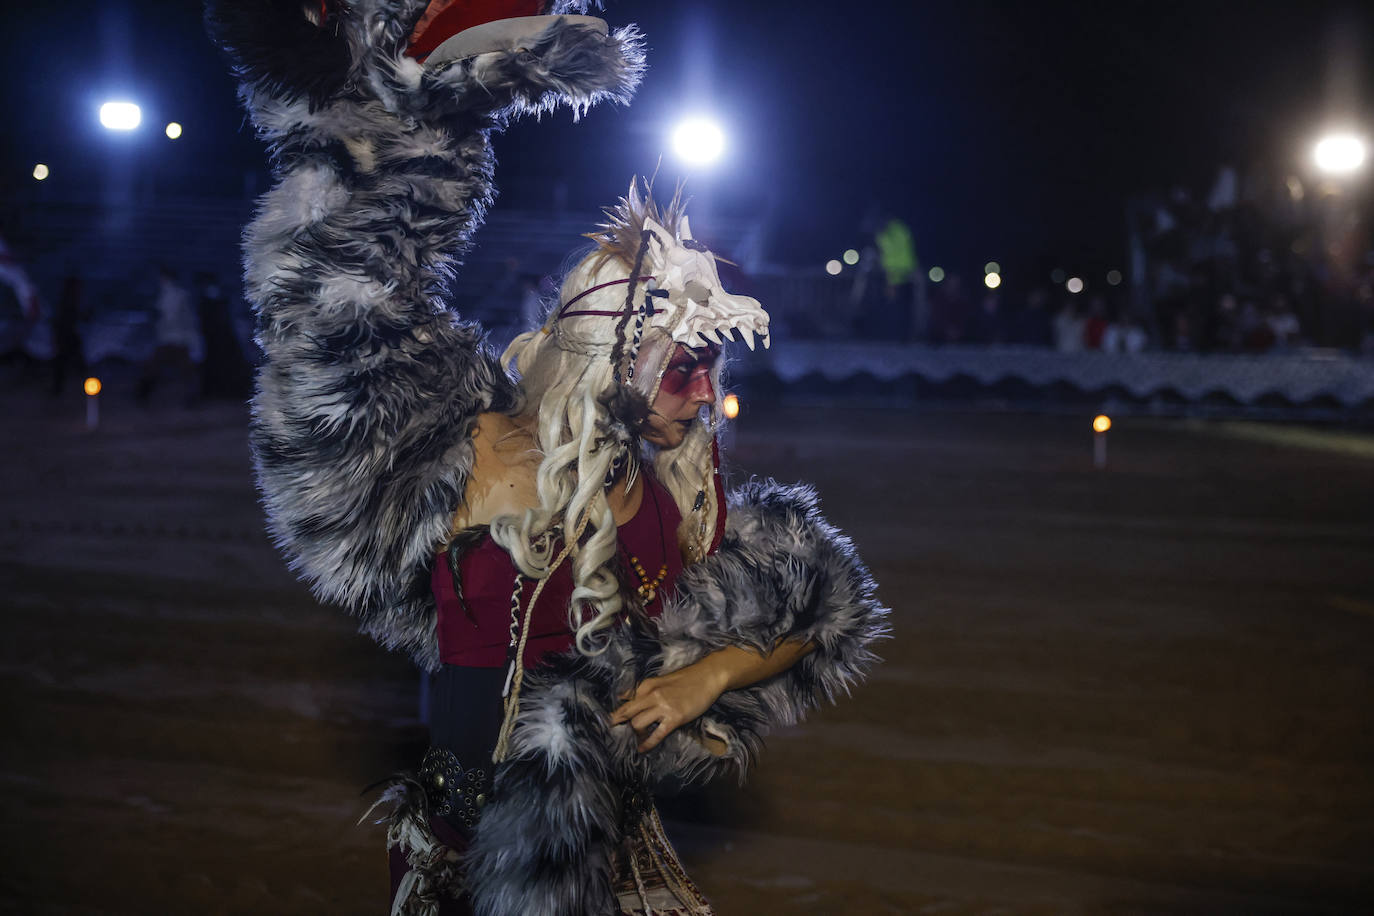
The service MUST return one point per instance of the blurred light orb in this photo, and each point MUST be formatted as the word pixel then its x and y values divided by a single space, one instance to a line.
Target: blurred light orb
pixel 937 274
pixel 120 116
pixel 833 267
pixel 1057 276
pixel 992 280
pixel 92 386
pixel 698 141
pixel 731 406
pixel 1102 423
pixel 1113 278
pixel 992 267
pixel 1075 285
pixel 851 257
pixel 173 131
pixel 1339 154
pixel 40 172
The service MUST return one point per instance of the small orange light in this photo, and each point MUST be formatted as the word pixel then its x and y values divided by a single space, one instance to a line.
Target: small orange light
pixel 1102 423
pixel 731 405
pixel 93 386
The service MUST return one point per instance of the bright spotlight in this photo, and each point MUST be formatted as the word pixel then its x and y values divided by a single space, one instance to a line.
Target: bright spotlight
pixel 1339 154
pixel 173 131
pixel 851 257
pixel 698 141
pixel 992 280
pixel 40 172
pixel 1075 285
pixel 731 406
pixel 120 115
pixel 1113 278
pixel 992 267
pixel 833 267
pixel 936 274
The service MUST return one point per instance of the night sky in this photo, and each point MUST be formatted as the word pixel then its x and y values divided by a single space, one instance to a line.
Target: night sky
pixel 1012 131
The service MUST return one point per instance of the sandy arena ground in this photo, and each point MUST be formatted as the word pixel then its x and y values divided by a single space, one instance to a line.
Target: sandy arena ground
pixel 1145 690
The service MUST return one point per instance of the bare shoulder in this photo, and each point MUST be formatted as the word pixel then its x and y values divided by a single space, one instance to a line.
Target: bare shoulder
pixel 505 463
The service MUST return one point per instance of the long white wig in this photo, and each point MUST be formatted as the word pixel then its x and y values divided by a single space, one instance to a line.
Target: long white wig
pixel 567 379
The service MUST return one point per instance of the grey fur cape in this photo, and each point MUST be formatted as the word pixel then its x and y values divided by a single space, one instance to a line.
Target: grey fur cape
pixel 371 385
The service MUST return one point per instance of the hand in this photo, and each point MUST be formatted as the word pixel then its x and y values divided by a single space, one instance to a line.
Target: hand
pixel 661 704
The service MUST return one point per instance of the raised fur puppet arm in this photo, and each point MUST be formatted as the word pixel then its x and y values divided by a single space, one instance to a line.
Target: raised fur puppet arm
pixel 383 170
pixel 782 572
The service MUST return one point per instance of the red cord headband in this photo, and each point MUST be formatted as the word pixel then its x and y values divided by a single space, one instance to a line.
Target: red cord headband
pixel 564 313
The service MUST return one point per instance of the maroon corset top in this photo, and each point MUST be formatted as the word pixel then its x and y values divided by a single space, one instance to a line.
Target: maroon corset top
pixel 474 624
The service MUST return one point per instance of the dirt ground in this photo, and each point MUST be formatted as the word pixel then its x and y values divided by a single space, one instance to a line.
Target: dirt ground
pixel 1142 690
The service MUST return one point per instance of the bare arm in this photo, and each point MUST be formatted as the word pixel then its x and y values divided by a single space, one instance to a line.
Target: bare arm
pixel 661 704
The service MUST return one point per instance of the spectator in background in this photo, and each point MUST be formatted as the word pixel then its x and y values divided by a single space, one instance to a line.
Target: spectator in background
pixel 19 308
pixel 867 308
pixel 1032 324
pixel 1255 335
pixel 1068 328
pixel 897 255
pixel 14 276
pixel 1125 335
pixel 225 372
pixel 987 326
pixel 19 312
pixel 68 353
pixel 949 315
pixel 1226 327
pixel 1095 325
pixel 178 346
pixel 1183 338
pixel 1283 323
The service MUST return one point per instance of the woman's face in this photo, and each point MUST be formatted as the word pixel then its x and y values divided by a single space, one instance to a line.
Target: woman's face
pixel 685 389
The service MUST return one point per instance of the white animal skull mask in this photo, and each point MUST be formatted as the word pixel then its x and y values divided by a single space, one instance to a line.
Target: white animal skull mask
pixel 697 309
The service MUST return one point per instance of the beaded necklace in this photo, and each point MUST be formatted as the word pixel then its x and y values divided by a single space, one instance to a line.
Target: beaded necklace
pixel 648 588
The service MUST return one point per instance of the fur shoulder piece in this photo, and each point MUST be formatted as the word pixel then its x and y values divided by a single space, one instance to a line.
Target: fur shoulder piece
pixel 371 384
pixel 782 573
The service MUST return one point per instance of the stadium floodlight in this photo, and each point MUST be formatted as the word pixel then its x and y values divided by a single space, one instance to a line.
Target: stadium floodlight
pixel 41 172
pixel 833 267
pixel 698 141
pixel 1074 285
pixel 992 280
pixel 173 130
pixel 1339 154
pixel 120 116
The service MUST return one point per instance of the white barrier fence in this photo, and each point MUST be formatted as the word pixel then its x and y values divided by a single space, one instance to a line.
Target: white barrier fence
pixel 1300 378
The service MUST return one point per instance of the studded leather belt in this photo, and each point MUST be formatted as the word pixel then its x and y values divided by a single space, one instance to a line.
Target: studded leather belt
pixel 454 792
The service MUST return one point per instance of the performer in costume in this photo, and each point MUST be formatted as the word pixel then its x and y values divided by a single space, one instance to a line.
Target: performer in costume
pixel 601 618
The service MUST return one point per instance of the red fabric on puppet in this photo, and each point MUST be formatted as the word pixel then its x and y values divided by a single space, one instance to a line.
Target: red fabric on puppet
pixel 445 18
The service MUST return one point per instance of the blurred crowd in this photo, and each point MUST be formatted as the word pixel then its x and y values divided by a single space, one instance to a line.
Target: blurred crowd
pixel 174 340
pixel 1260 262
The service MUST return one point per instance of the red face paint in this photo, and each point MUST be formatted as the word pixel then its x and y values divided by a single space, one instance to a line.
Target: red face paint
pixel 688 370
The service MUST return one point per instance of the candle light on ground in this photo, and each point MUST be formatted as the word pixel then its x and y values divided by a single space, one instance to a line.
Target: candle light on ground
pixel 1101 423
pixel 92 389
